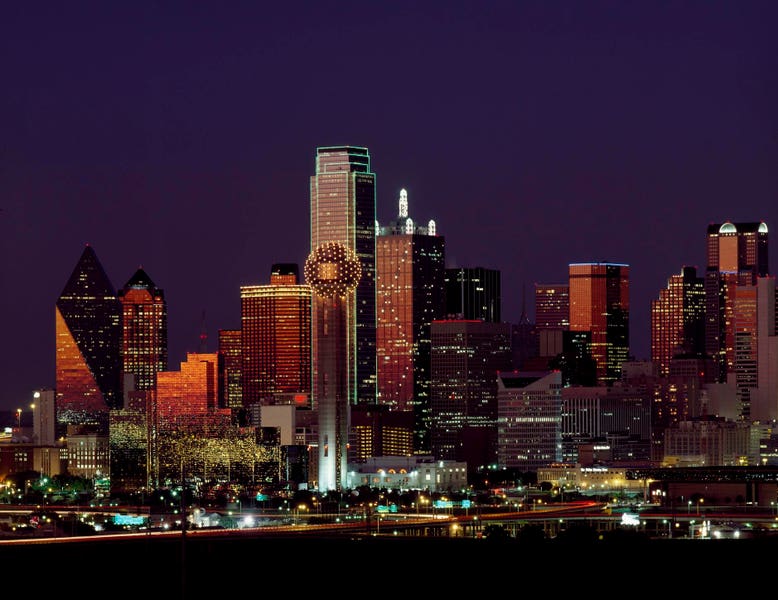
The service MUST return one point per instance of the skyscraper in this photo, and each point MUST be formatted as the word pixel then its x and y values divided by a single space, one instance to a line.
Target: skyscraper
pixel 230 347
pixel 552 306
pixel 473 293
pixel 466 356
pixel 343 211
pixel 88 316
pixel 410 265
pixel 737 254
pixel 529 419
pixel 599 303
pixel 144 343
pixel 678 319
pixel 276 339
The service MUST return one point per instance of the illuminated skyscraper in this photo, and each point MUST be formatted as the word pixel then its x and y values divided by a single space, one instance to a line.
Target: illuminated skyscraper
pixel 343 211
pixel 410 265
pixel 276 339
pixel 473 293
pixel 230 347
pixel 678 319
pixel 88 316
pixel 599 303
pixel 144 330
pixel 737 255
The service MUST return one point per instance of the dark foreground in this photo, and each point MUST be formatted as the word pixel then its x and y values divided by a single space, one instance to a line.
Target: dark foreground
pixel 378 567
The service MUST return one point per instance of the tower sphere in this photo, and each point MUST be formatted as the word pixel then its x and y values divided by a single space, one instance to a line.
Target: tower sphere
pixel 332 269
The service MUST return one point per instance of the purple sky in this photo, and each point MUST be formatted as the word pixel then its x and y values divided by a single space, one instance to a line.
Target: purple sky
pixel 181 136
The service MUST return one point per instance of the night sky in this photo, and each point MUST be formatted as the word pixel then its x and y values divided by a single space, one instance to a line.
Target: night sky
pixel 181 136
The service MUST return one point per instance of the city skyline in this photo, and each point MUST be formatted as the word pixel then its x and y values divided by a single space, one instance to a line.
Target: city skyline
pixel 181 140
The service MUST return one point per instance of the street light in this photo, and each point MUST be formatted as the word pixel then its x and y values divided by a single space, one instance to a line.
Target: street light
pixel 701 500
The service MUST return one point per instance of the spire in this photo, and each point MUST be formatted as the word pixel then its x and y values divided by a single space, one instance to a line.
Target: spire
pixel 523 319
pixel 203 337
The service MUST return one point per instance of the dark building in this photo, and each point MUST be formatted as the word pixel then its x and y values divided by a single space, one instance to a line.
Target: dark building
pixel 410 265
pixel 552 306
pixel 88 334
pixel 473 293
pixel 466 356
pixel 379 431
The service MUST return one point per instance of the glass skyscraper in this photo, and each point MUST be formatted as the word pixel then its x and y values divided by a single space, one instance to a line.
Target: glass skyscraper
pixel 144 343
pixel 410 266
pixel 88 333
pixel 343 198
pixel 599 303
pixel 737 254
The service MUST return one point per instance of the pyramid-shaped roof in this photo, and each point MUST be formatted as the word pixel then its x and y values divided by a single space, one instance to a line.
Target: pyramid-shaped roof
pixel 88 278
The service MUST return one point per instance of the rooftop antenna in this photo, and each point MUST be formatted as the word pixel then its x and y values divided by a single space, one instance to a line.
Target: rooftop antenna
pixel 203 336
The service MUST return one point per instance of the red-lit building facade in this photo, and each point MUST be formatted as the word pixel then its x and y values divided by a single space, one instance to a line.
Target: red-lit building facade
pixel 276 339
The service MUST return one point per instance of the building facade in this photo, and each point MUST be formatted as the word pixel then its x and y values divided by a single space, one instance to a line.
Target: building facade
pixel 410 265
pixel 599 303
pixel 678 319
pixel 466 356
pixel 144 342
pixel 276 339
pixel 88 333
pixel 529 419
pixel 473 293
pixel 737 253
pixel 343 198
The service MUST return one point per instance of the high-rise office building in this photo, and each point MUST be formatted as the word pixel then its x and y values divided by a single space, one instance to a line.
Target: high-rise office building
pixel 755 367
pixel 529 419
pixel 678 319
pixel 410 265
pixel 190 392
pixel 552 306
pixel 88 317
pixel 737 254
pixel 276 339
pixel 230 347
pixel 466 356
pixel 764 400
pixel 144 343
pixel 599 303
pixel 473 293
pixel 343 199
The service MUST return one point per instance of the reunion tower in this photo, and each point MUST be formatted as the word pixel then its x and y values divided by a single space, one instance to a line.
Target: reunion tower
pixel 333 272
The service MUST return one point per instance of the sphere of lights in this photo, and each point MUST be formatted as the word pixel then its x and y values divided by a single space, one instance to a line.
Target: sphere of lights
pixel 332 269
